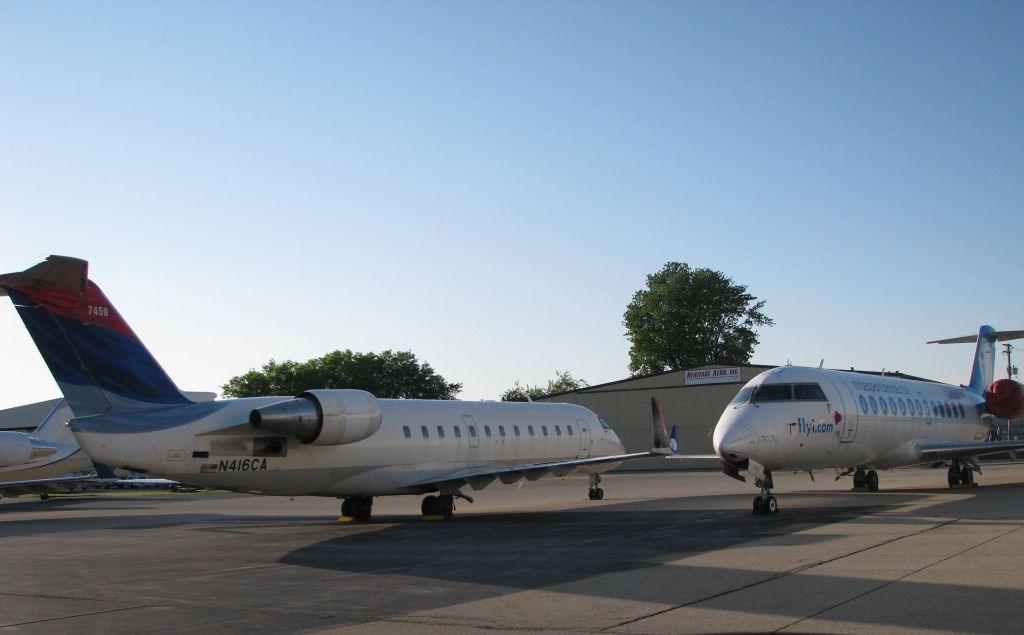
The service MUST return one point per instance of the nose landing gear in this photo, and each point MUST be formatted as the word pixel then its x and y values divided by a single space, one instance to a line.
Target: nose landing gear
pixel 596 493
pixel 765 504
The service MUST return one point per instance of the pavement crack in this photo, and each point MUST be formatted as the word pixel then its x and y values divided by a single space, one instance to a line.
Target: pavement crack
pixel 899 579
pixel 75 615
pixel 778 576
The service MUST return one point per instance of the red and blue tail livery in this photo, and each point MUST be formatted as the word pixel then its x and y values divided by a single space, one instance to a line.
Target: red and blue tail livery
pixel 95 357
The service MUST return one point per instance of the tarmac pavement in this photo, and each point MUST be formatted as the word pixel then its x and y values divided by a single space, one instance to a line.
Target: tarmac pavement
pixel 662 553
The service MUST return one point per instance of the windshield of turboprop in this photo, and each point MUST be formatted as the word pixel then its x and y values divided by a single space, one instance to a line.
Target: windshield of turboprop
pixel 780 392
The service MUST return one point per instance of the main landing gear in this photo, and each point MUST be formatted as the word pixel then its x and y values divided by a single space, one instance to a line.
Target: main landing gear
pixel 960 475
pixel 596 493
pixel 357 508
pixel 765 503
pixel 443 506
pixel 868 480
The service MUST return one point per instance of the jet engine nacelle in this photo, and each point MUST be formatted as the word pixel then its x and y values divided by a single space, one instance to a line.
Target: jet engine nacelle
pixel 322 417
pixel 17 448
pixel 1004 399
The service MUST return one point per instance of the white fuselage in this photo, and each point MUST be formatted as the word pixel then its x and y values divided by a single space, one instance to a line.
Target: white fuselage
pixel 854 420
pixel 418 443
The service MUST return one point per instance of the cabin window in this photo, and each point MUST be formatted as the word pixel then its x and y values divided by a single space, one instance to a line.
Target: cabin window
pixel 458 432
pixel 903 407
pixel 440 432
pixel 960 407
pixel 569 430
pixel 874 404
pixel 424 432
pixel 773 392
pixel 884 406
pixel 892 406
pixel 407 432
pixel 742 396
pixel 487 431
pixel 949 411
pixel 544 430
pixel 501 430
pixel 515 430
pixel 918 407
pixel 529 429
pixel 809 392
pixel 472 431
pixel 863 403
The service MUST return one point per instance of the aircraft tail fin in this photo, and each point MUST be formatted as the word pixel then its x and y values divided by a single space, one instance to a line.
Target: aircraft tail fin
pixel 983 370
pixel 96 359
pixel 662 445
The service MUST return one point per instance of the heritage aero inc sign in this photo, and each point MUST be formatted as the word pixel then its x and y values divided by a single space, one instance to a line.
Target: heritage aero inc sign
pixel 712 376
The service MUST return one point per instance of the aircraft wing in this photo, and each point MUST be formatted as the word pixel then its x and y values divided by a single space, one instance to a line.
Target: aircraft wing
pixel 41 485
pixel 937 450
pixel 480 476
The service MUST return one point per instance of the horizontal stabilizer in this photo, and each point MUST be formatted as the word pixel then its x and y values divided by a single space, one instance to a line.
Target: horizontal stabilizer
pixel 998 336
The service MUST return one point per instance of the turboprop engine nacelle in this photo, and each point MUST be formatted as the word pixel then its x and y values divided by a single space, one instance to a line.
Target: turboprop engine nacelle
pixel 1004 399
pixel 17 448
pixel 322 417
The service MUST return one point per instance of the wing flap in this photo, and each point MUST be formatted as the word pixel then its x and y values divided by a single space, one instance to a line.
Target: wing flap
pixel 932 451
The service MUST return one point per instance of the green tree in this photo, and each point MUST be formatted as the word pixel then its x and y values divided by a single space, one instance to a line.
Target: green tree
pixel 563 382
pixel 385 375
pixel 691 317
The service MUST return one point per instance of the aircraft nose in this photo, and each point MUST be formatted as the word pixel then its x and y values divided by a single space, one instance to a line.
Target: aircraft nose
pixel 733 441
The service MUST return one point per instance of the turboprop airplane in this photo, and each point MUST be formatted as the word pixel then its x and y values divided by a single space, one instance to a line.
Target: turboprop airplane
pixel 341 443
pixel 803 419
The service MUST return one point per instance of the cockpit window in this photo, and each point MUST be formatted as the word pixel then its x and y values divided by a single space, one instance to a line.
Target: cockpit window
pixel 773 392
pixel 604 424
pixel 809 392
pixel 742 396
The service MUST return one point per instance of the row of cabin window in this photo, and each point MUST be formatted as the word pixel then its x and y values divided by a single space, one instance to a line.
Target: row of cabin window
pixel 457 431
pixel 915 406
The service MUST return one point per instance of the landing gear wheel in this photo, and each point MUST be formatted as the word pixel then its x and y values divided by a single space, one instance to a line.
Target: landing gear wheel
pixel 765 504
pixel 858 478
pixel 953 475
pixel 758 505
pixel 447 506
pixel 430 506
pixel 966 476
pixel 871 480
pixel 362 508
pixel 771 506
pixel 346 508
pixel 596 493
pixel 44 496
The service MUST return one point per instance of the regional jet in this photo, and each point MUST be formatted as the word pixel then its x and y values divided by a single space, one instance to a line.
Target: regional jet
pixel 341 443
pixel 803 419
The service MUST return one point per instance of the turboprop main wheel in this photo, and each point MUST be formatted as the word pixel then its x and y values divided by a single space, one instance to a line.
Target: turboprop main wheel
pixel 871 480
pixel 346 508
pixel 596 493
pixel 966 476
pixel 362 508
pixel 771 506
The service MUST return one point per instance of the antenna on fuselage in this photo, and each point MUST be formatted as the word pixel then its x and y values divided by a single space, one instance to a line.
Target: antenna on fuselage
pixel 821 364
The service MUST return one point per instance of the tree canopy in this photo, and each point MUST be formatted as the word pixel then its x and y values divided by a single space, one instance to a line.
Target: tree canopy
pixel 691 317
pixel 563 382
pixel 385 375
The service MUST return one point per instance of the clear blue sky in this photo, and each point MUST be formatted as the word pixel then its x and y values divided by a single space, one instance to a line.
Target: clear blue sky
pixel 487 184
